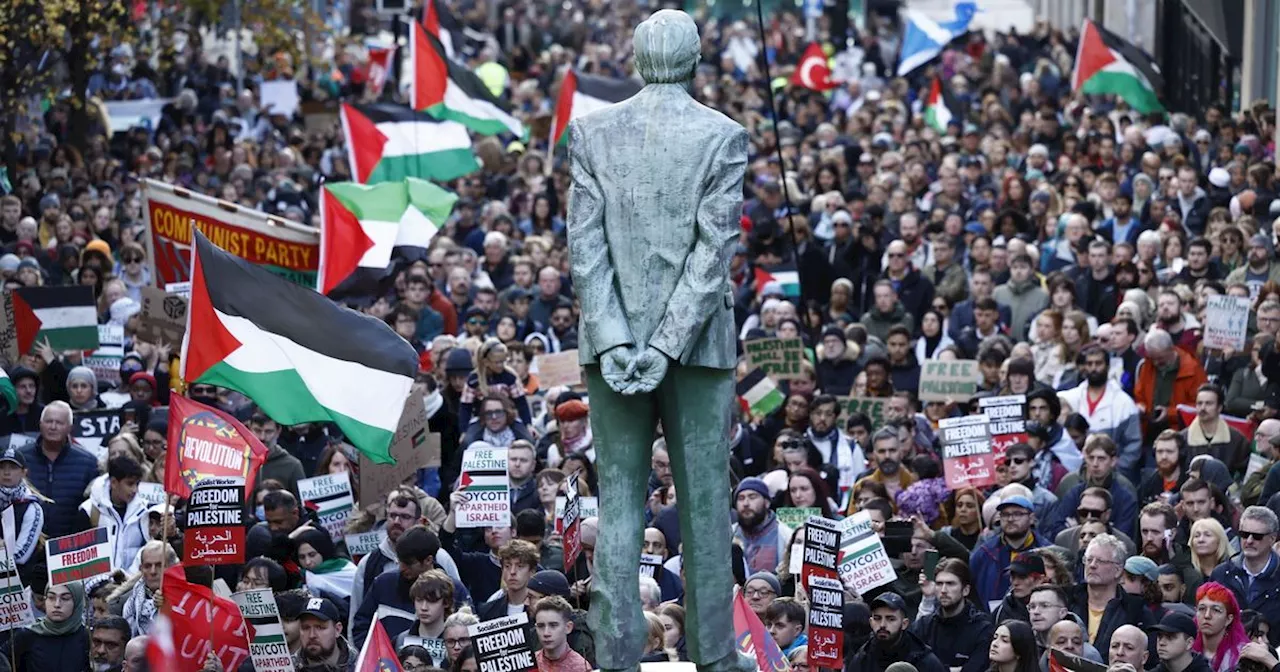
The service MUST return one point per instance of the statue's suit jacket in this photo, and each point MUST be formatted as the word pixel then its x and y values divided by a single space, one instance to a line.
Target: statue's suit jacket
pixel 653 216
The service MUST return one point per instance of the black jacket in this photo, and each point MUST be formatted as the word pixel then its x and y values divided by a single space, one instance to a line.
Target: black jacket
pixel 916 294
pixel 750 450
pixel 1198 664
pixel 958 641
pixel 1123 608
pixel 909 649
pixel 37 653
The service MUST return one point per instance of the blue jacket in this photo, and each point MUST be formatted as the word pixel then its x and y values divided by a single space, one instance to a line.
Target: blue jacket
pixel 962 316
pixel 391 590
pixel 1108 230
pixel 64 481
pixel 989 564
pixel 1124 508
pixel 1261 595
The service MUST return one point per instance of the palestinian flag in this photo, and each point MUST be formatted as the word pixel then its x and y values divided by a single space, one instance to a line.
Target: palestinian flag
pixel 441 24
pixel 8 393
pixel 940 108
pixel 581 94
pixel 388 143
pixel 450 91
pixel 1106 64
pixel 361 225
pixel 789 278
pixel 298 355
pixel 66 315
pixel 759 394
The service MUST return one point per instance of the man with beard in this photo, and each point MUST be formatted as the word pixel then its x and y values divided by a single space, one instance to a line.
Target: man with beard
pixel 825 435
pixel 1162 547
pixel 1261 268
pixel 1209 434
pixel 1174 590
pixel 1122 226
pixel 324 649
pixel 958 632
pixel 1108 409
pixel 1169 318
pixel 1101 602
pixel 893 640
pixel 990 560
pixel 1167 378
pixel 887 446
pixel 1026 573
pixel 763 537
pixel 107 642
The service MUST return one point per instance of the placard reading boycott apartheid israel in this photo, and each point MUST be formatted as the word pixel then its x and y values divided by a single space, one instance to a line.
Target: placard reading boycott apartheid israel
pixel 949 381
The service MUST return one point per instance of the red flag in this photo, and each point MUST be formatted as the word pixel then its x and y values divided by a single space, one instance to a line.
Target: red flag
pixel 161 654
pixel 378 67
pixel 204 441
pixel 812 72
pixel 378 655
pixel 1188 413
pixel 753 639
pixel 192 619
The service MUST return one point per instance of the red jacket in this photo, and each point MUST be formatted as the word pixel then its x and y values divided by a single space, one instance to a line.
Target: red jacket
pixel 1190 377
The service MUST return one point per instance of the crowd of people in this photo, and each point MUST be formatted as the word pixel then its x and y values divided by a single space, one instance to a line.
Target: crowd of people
pixel 1067 243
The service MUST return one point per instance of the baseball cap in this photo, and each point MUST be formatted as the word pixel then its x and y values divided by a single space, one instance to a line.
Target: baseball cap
pixel 1174 623
pixel 891 600
pixel 549 582
pixel 1027 564
pixel 13 455
pixel 1016 500
pixel 320 608
pixel 1139 565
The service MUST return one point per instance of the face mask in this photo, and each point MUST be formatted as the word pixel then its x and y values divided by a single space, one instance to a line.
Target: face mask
pixel 260 513
pixel 889 467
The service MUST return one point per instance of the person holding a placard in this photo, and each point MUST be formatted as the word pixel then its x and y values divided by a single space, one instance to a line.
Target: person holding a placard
pixel 416 551
pixel 958 632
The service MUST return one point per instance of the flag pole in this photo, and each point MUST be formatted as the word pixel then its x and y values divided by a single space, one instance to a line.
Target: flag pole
pixel 803 308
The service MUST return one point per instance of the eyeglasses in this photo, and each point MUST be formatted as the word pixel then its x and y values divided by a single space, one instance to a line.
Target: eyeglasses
pixel 133 260
pixel 1253 535
pixel 476 321
pixel 758 592
pixel 1089 513
pixel 1095 560
pixel 460 641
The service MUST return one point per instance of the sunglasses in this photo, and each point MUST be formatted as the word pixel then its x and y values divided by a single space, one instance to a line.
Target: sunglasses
pixel 1089 513
pixel 1018 461
pixel 1257 536
pixel 133 260
pixel 896 255
pixel 476 321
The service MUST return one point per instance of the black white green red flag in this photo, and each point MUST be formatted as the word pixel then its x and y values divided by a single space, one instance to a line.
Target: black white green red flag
pixel 1107 64
pixel 448 90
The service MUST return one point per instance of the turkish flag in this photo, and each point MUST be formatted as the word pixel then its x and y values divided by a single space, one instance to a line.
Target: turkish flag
pixel 812 72
pixel 194 614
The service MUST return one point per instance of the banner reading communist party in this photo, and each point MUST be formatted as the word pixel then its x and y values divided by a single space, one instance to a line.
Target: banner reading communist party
pixel 281 246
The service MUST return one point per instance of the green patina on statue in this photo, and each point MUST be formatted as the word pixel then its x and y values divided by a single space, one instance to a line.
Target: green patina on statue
pixel 652 220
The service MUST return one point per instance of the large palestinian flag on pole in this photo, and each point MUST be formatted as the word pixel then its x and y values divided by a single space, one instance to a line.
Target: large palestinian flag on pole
pixel 940 109
pixel 362 225
pixel 388 143
pixel 1106 64
pixel 298 355
pixel 441 24
pixel 581 94
pixel 448 90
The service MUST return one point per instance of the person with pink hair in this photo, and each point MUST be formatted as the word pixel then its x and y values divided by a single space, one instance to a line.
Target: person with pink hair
pixel 1220 635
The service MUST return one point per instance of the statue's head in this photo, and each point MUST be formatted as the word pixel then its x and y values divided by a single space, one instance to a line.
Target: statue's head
pixel 667 48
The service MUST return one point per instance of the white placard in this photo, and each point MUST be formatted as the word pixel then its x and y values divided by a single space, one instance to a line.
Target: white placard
pixel 1226 322
pixel 331 495
pixel 280 96
pixel 487 487
pixel 864 564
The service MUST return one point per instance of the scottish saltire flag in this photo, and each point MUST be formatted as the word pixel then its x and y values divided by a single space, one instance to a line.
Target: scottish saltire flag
pixel 923 38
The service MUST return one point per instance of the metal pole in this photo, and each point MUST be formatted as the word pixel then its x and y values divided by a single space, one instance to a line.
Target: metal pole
pixel 239 58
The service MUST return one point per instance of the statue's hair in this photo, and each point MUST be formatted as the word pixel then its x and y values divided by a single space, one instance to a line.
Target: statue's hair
pixel 667 48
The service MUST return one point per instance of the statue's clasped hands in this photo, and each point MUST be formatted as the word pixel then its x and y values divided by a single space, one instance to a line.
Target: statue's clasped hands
pixel 630 372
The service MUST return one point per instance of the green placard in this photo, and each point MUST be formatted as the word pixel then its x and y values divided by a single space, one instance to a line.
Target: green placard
pixel 779 358
pixel 795 516
pixel 955 381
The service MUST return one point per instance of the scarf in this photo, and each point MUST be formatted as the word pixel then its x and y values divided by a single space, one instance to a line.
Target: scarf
pixel 17 493
pixel 501 439
pixel 143 606
pixel 579 444
pixel 1042 469
pixel 331 565
pixel 48 628
pixel 433 403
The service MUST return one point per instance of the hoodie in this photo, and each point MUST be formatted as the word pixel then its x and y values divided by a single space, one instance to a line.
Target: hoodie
pixel 128 532
pixel 1025 299
pixel 879 323
pixel 958 641
pixel 283 467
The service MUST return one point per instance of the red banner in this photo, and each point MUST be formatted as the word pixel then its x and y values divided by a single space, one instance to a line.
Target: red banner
pixel 572 541
pixel 754 640
pixel 1188 413
pixel 204 442
pixel 379 66
pixel 195 614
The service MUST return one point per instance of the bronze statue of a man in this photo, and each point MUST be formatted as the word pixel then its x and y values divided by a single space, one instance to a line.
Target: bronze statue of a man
pixel 653 217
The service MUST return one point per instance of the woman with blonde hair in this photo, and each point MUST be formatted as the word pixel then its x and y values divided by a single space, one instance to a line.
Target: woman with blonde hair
pixel 1050 351
pixel 492 377
pixel 1209 545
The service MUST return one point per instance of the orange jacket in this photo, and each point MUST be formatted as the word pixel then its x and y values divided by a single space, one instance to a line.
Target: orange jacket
pixel 1190 377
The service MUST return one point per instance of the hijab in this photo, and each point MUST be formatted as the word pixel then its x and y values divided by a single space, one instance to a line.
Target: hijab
pixel 49 628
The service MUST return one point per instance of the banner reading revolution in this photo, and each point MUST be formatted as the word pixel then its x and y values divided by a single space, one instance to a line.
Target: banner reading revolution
pixel 205 442
pixel 283 247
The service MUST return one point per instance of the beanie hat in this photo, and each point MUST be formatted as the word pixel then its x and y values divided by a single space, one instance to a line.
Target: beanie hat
pixel 9 263
pixel 549 582
pixel 83 374
pixel 98 245
pixel 833 331
pixel 458 362
pixel 571 410
pixel 124 308
pixel 768 578
pixel 753 484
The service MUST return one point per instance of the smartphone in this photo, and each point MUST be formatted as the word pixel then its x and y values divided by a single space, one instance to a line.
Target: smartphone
pixel 930 564
pixel 130 415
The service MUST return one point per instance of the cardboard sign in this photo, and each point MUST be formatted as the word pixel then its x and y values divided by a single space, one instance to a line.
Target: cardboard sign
pixel 267 647
pixel 163 318
pixel 864 564
pixel 955 381
pixel 872 408
pixel 413 447
pixel 826 622
pixel 285 248
pixel 821 548
pixel 9 333
pixel 360 544
pixel 569 521
pixel 968 458
pixel 433 645
pixel 92 428
pixel 15 601
pixel 650 565
pixel 793 516
pixel 105 361
pixel 1226 322
pixel 214 534
pixel 779 358
pixel 79 556
pixel 487 487
pixel 331 496
pixel 590 508
pixel 151 493
pixel 1008 421
pixel 502 645
pixel 558 368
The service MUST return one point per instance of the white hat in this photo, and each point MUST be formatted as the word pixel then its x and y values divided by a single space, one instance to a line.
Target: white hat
pixel 1219 177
